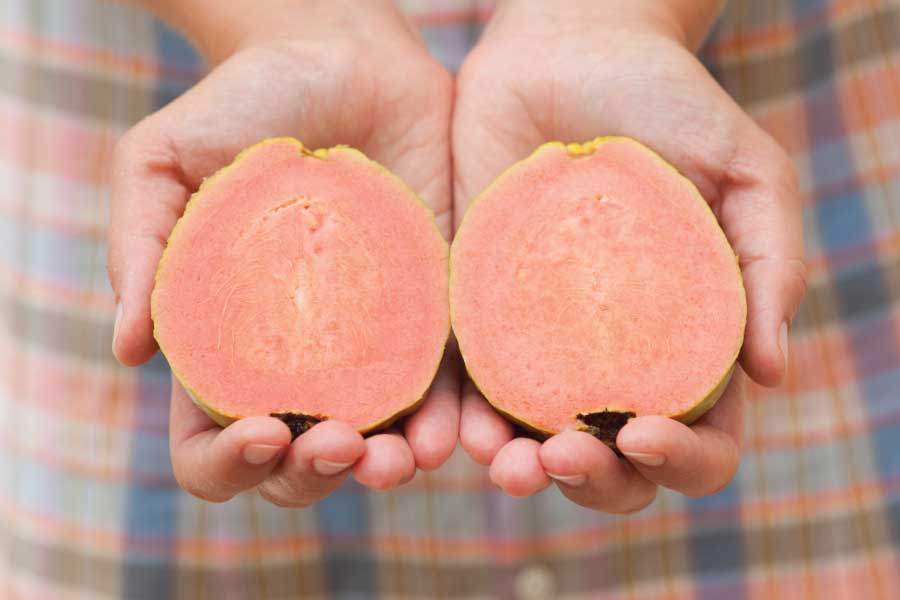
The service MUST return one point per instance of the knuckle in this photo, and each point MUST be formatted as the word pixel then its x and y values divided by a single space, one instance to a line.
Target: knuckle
pixel 144 147
pixel 762 161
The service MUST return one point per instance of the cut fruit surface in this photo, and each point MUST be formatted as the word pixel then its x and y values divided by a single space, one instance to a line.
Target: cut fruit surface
pixel 592 281
pixel 308 285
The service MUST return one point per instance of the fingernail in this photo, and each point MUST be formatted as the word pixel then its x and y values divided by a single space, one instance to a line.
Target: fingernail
pixel 260 454
pixel 572 480
pixel 646 458
pixel 327 468
pixel 783 341
pixel 116 326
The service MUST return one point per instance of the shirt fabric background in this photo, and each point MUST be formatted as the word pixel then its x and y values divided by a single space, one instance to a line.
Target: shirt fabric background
pixel 88 505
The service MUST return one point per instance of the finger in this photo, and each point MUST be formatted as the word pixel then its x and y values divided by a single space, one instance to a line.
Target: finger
pixel 517 470
pixel 482 430
pixel 761 215
pixel 315 465
pixel 388 462
pixel 433 430
pixel 214 463
pixel 590 474
pixel 147 199
pixel 697 461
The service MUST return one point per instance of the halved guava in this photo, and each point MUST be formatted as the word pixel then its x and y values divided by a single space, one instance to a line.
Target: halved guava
pixel 591 283
pixel 306 285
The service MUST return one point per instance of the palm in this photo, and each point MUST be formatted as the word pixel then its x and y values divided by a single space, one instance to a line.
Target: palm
pixel 517 91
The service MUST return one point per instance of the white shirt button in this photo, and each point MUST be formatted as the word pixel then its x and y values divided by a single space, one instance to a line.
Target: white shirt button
pixel 534 582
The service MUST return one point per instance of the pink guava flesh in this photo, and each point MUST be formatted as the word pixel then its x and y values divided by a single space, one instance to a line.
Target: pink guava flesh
pixel 594 282
pixel 308 284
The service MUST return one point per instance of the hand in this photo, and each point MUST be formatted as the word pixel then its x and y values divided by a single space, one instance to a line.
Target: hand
pixel 351 73
pixel 544 74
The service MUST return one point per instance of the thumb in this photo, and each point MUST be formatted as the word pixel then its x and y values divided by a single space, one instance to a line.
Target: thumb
pixel 148 197
pixel 761 214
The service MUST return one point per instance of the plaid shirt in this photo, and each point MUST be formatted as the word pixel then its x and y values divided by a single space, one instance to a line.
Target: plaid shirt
pixel 88 505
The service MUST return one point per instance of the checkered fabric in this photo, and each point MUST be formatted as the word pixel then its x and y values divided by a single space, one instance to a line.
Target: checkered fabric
pixel 88 505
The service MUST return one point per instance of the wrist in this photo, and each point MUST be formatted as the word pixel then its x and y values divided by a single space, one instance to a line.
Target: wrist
pixel 219 29
pixel 685 21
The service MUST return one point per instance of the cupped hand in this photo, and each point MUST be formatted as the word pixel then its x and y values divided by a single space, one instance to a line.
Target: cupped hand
pixel 542 74
pixel 338 77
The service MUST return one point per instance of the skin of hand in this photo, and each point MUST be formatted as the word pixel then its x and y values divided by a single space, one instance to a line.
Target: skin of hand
pixel 335 72
pixel 570 72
